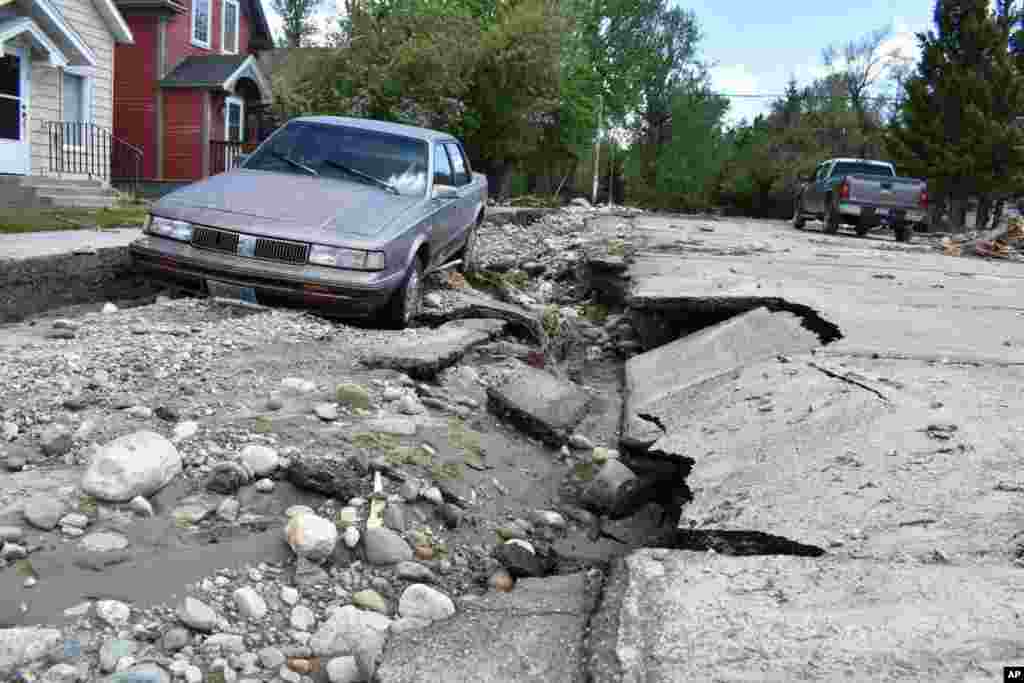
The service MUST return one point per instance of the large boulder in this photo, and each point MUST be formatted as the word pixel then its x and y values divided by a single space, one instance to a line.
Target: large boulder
pixel 354 632
pixel 138 464
pixel 311 536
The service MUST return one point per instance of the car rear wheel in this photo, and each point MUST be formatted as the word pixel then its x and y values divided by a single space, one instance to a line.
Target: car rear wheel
pixel 406 302
pixel 902 232
pixel 831 218
pixel 862 228
pixel 798 214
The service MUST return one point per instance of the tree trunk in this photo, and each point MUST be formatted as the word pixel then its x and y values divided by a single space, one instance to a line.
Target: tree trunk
pixel 997 213
pixel 957 214
pixel 983 213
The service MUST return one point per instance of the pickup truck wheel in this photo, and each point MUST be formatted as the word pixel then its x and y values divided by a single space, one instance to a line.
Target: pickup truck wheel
pixel 862 228
pixel 831 218
pixel 798 214
pixel 406 302
pixel 902 232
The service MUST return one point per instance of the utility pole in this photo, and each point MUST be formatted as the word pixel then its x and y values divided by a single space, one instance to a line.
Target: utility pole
pixel 611 169
pixel 597 148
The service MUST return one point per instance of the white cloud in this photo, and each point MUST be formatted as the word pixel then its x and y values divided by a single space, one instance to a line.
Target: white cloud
pixel 738 79
pixel 325 19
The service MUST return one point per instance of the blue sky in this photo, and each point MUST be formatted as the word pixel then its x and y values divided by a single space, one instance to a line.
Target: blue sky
pixel 756 46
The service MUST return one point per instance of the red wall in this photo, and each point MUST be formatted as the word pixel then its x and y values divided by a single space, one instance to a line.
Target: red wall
pixel 179 34
pixel 135 91
pixel 183 144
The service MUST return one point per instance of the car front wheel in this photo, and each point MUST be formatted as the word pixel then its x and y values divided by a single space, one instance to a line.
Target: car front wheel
pixel 470 252
pixel 798 214
pixel 407 300
pixel 831 218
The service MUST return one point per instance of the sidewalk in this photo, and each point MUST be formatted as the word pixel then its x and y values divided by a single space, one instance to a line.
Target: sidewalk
pixel 54 243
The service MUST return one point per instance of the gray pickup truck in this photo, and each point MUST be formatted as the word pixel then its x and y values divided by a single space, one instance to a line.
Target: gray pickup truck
pixel 862 193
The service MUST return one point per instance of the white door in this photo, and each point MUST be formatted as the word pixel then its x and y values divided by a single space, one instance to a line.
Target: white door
pixel 14 153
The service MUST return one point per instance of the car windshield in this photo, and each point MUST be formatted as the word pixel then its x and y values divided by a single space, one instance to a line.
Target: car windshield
pixel 391 162
pixel 854 168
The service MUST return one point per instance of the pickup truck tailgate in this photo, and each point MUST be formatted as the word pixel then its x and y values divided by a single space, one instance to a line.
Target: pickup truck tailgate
pixel 893 193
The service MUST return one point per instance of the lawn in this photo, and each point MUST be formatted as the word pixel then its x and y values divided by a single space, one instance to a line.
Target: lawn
pixel 37 220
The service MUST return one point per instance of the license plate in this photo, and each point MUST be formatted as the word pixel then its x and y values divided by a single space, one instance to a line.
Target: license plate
pixel 225 290
pixel 882 212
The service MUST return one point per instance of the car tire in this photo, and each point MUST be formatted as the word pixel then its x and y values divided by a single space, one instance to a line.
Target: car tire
pixel 407 301
pixel 902 232
pixel 798 214
pixel 831 218
pixel 862 229
pixel 470 251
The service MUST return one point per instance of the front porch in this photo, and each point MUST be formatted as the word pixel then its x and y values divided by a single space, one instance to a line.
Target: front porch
pixel 56 148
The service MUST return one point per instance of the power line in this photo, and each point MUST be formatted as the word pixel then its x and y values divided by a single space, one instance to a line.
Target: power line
pixel 782 96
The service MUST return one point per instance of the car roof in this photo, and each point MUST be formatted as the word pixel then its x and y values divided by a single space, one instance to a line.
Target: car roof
pixel 379 127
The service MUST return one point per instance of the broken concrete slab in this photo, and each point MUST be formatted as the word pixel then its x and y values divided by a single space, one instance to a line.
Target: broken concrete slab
pixel 534 634
pixel 828 459
pixel 660 381
pixel 678 616
pixel 540 404
pixel 434 351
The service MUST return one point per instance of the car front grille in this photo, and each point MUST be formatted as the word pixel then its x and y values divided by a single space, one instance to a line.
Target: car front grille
pixel 278 250
pixel 219 240
pixel 245 245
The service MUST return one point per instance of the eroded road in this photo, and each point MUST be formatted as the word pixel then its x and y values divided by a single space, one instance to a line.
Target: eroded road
pixel 818 443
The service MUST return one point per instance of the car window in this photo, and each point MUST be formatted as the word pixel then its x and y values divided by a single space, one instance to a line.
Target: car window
pixel 345 153
pixel 459 166
pixel 821 171
pixel 855 167
pixel 442 167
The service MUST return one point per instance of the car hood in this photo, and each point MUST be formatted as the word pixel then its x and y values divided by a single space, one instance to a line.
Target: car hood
pixel 287 205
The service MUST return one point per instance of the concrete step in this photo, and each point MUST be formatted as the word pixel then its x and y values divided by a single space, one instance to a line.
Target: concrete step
pixel 72 190
pixel 47 181
pixel 81 201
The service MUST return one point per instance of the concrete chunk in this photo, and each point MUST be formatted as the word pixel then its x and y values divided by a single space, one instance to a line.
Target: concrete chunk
pixel 788 618
pixel 532 635
pixel 430 354
pixel 540 404
pixel 660 381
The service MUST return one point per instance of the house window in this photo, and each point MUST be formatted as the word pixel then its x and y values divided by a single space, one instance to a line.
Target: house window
pixel 229 28
pixel 201 23
pixel 234 115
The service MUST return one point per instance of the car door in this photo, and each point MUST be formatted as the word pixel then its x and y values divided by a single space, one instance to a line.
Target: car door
pixel 446 210
pixel 816 189
pixel 468 197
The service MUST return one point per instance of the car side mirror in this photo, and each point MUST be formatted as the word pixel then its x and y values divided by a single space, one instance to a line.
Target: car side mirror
pixel 445 192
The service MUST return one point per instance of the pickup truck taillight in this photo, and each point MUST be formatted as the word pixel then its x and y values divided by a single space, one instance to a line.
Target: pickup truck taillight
pixel 923 199
pixel 844 190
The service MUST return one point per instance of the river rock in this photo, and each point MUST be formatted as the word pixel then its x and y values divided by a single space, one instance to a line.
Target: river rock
pixel 383 546
pixel 138 464
pixel 328 412
pixel 250 604
pixel 353 396
pixel 227 477
pixel 56 440
pixel 414 571
pixel 518 560
pixel 261 460
pixel 346 629
pixel 113 612
pixel 339 478
pixel 371 600
pixel 344 670
pixel 11 533
pixel 311 536
pixel 113 650
pixel 197 615
pixel 420 601
pixel 140 506
pixel 44 512
pixel 302 618
pixel 103 542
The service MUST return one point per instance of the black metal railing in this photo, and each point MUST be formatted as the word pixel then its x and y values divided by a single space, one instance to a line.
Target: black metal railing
pixel 81 148
pixel 224 154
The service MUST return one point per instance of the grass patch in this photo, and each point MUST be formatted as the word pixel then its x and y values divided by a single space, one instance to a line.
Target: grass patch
pixel 595 313
pixel 88 506
pixel 446 471
pixel 551 320
pixel 263 425
pixel 616 248
pixel 376 441
pixel 25 568
pixel 486 279
pixel 40 220
pixel 392 449
pixel 585 471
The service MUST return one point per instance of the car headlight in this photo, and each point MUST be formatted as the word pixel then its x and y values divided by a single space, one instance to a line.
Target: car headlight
pixel 351 259
pixel 165 227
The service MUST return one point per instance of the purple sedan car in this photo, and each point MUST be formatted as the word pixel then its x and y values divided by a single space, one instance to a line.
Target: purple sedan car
pixel 344 214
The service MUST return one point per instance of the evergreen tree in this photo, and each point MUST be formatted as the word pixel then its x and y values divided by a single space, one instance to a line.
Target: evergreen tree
pixel 957 123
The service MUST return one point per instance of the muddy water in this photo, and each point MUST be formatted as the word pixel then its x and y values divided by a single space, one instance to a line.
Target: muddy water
pixel 160 560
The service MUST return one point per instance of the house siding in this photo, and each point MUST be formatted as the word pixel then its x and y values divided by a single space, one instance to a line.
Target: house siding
pixel 136 91
pixel 46 96
pixel 183 146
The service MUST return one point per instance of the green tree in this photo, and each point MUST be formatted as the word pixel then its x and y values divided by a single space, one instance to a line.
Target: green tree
pixel 297 16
